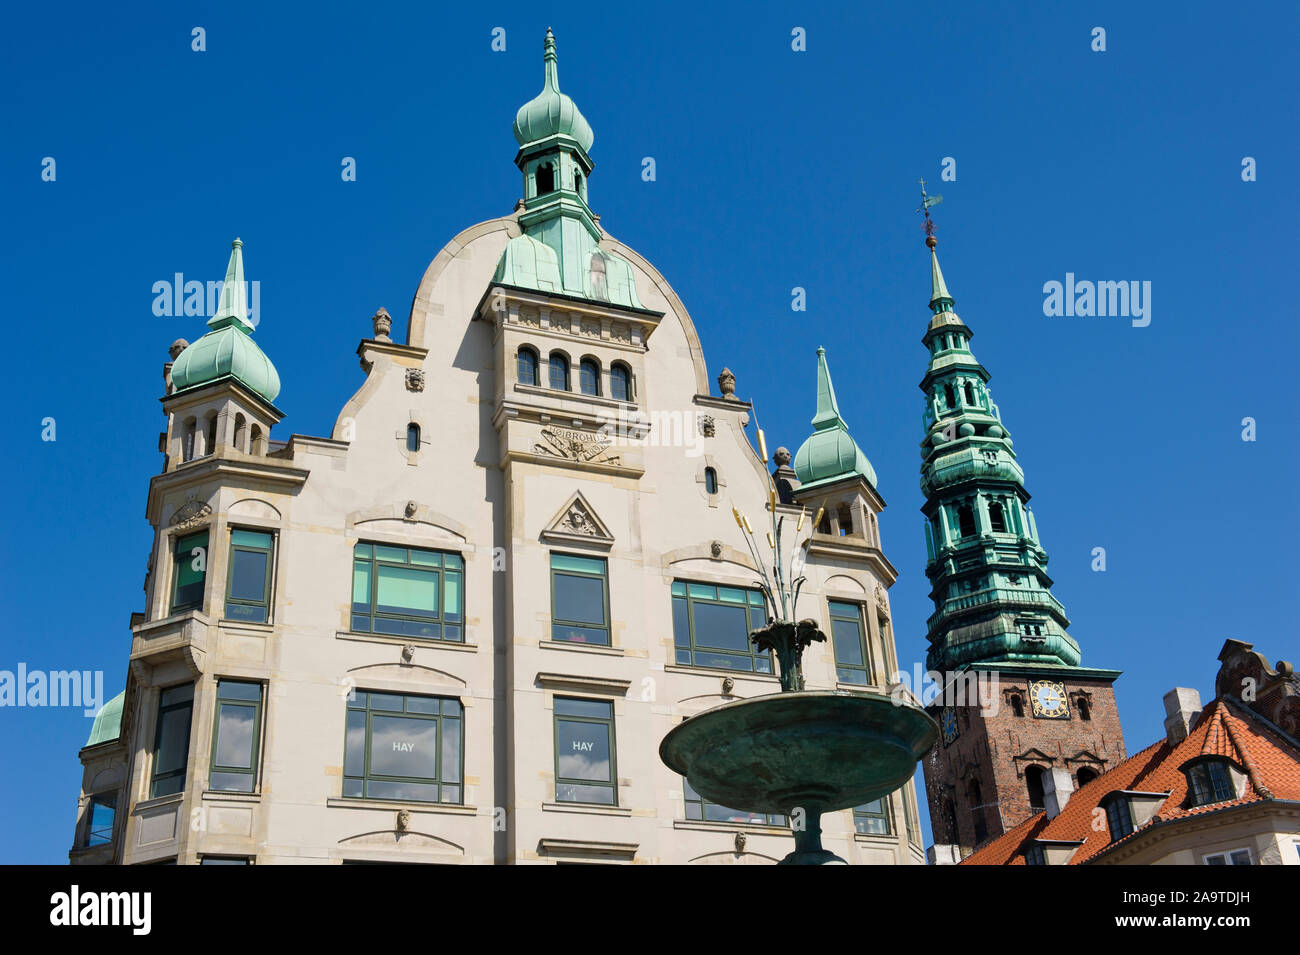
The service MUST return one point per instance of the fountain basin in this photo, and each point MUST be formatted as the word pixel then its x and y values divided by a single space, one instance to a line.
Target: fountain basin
pixel 815 750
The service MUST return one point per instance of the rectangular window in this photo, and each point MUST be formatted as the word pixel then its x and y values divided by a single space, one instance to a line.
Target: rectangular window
pixel 403 747
pixel 872 818
pixel 852 659
pixel 225 860
pixel 171 745
pixel 408 592
pixel 99 819
pixel 699 808
pixel 236 737
pixel 189 571
pixel 711 627
pixel 248 589
pixel 579 599
pixel 1235 857
pixel 584 752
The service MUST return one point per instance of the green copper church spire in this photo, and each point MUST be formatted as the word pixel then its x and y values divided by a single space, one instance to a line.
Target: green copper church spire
pixel 988 572
pixel 233 308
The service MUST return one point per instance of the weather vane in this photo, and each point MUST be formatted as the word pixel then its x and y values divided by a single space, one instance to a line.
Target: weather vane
pixel 926 203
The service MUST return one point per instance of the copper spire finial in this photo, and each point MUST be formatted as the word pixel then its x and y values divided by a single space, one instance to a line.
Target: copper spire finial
pixel 926 203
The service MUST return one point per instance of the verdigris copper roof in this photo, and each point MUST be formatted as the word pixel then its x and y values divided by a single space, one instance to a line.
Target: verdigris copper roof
pixel 228 350
pixel 108 721
pixel 550 112
pixel 830 453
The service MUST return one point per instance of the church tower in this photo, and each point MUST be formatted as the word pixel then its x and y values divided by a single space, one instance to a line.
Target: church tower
pixel 1042 724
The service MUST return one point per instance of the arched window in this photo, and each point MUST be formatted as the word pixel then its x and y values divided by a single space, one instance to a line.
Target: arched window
pixel 844 516
pixel 211 432
pixel 256 443
pixel 589 376
pixel 950 396
pixel 1034 782
pixel 710 481
pixel 996 519
pixel 577 182
pixel 949 816
pixel 1086 775
pixel 412 437
pixel 240 427
pixel 545 178
pixel 1082 707
pixel 559 371
pixel 1017 705
pixel 966 521
pixel 975 797
pixel 970 394
pixel 620 382
pixel 527 369
pixel 187 441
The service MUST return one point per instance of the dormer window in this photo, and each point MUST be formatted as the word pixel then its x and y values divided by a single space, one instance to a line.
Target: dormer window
pixel 1210 781
pixel 1034 856
pixel 1118 815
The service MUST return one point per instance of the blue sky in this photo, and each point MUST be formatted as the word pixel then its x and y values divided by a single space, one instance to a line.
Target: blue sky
pixel 775 169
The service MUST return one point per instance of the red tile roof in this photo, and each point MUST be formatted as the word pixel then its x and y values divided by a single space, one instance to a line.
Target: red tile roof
pixel 1271 762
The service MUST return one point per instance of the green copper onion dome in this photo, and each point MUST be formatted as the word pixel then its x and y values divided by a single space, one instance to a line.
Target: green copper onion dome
pixel 830 453
pixel 228 351
pixel 108 721
pixel 552 113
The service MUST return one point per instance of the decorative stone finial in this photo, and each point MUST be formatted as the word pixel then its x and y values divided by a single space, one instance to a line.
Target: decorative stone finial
pixel 177 347
pixel 383 323
pixel 727 384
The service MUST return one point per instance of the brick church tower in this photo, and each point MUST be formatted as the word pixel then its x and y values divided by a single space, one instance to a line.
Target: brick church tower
pixel 1046 725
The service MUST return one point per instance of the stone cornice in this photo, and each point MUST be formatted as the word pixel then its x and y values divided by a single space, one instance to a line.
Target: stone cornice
pixel 244 471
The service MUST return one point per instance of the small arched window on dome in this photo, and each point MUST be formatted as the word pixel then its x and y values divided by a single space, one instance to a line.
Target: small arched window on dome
pixel 996 518
pixel 970 394
pixel 577 183
pixel 188 439
pixel 528 365
pixel 710 481
pixel 844 517
pixel 256 440
pixel 599 280
pixel 620 382
pixel 558 369
pixel 950 397
pixel 545 178
pixel 589 377
pixel 210 431
pixel 412 437
pixel 966 521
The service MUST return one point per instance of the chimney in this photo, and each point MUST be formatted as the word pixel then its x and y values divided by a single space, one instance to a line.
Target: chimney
pixel 1058 787
pixel 1182 706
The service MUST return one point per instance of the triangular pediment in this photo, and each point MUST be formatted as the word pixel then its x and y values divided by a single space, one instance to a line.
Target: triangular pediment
pixel 578 523
pixel 1034 754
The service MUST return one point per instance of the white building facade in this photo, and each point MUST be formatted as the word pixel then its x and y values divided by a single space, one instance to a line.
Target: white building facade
pixel 456 629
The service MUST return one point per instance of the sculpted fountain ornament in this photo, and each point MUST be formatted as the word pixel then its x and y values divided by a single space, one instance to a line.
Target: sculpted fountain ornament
pixel 799 752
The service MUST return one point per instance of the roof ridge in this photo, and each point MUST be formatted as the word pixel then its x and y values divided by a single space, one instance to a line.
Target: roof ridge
pixel 1252 770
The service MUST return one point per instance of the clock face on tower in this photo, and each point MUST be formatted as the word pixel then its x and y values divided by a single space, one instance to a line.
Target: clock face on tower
pixel 1048 700
pixel 948 719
